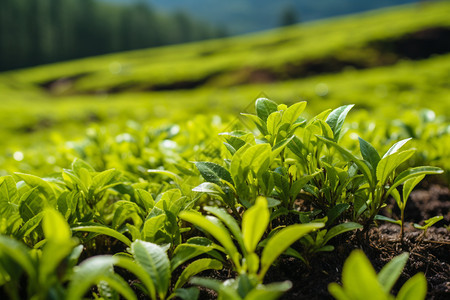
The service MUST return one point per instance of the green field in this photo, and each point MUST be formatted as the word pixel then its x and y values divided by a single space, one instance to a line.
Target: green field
pixel 328 63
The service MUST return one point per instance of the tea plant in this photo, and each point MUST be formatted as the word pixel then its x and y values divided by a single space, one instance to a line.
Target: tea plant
pixel 243 288
pixel 359 280
pixel 380 175
pixel 284 179
pixel 47 267
pixel 255 220
pixel 428 223
pixel 408 186
pixel 148 262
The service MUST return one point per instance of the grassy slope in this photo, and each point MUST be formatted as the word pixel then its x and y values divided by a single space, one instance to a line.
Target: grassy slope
pixel 201 60
pixel 30 113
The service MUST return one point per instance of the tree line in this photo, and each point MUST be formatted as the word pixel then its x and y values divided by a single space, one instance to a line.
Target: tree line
pixel 35 32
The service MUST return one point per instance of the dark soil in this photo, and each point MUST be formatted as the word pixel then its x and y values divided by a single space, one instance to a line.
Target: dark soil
pixel 429 254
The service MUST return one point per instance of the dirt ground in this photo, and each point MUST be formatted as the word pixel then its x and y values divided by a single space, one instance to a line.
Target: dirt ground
pixel 429 254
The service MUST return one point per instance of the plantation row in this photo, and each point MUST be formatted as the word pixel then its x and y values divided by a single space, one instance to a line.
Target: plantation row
pixel 143 213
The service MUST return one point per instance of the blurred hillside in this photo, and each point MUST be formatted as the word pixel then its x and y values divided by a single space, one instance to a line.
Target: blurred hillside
pixel 38 32
pixel 242 16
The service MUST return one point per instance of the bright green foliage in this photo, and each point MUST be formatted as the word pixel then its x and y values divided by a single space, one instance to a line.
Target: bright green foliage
pixel 149 263
pixel 381 177
pixel 361 282
pixel 243 288
pixel 285 178
pixel 46 268
pixel 254 224
pixel 428 223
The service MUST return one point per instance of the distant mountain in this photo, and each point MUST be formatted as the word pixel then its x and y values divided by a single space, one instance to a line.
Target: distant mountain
pixel 241 16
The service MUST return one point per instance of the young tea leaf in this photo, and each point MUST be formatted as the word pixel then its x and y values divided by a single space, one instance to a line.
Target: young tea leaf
pixel 254 223
pixel 282 240
pixel 336 119
pixel 264 107
pixel 293 112
pixel 212 172
pixel 104 230
pixel 396 147
pixel 341 228
pixel 389 163
pixel 219 233
pixel 196 267
pixel 154 260
pixel 392 271
pixel 369 153
pixel 414 289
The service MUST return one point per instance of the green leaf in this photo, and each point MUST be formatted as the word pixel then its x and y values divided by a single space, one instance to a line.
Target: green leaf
pixel 169 174
pixel 280 241
pixel 383 218
pixel 428 223
pixel 145 199
pixel 300 183
pixel 154 260
pixel 293 112
pixel 19 253
pixel 260 124
pixel 106 179
pixel 348 155
pixel 277 148
pixel 79 164
pixel 396 147
pixel 152 226
pixel 335 212
pixel 9 203
pixel 409 186
pixel 104 230
pixel 274 122
pixel 264 107
pixel 40 184
pixel 414 289
pixel 413 172
pixel 336 119
pixel 92 271
pixel 389 274
pixel 141 273
pixel 257 158
pixel 29 226
pixel 337 291
pixel 254 224
pixel 8 192
pixel 389 163
pixel 369 153
pixel 359 278
pixel 296 146
pixel 269 291
pixel 219 233
pixel 209 188
pixel 106 291
pixel 212 172
pixel 196 267
pixel 212 284
pixel 230 222
pixel 194 247
pixel 55 227
pixel 31 204
pixel 341 228
pixel 191 293
pixel 58 246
